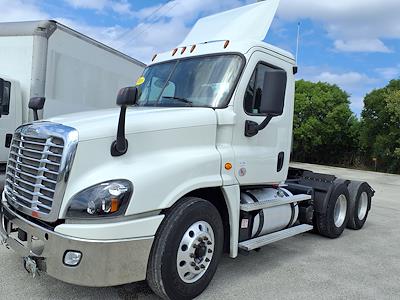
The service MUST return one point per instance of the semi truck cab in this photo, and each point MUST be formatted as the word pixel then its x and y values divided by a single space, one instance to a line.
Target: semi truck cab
pixel 194 163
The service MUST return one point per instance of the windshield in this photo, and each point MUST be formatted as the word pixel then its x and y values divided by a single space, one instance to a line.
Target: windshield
pixel 200 81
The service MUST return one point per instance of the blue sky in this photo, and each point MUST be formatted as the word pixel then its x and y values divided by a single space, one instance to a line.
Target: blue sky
pixel 352 43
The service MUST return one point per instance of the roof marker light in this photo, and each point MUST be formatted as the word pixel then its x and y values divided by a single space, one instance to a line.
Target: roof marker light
pixel 174 52
pixel 154 57
pixel 183 50
pixel 192 49
pixel 226 44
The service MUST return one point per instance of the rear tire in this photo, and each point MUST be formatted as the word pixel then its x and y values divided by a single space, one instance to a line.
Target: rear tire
pixel 333 222
pixel 186 251
pixel 360 204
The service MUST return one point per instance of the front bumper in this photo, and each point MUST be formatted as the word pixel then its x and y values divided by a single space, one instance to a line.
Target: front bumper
pixel 103 263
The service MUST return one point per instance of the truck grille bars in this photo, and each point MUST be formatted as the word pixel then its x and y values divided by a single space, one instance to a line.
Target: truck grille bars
pixel 40 158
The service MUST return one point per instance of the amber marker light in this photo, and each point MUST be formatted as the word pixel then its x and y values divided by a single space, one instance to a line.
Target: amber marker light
pixel 228 166
pixel 114 205
pixel 226 44
pixel 192 49
pixel 174 52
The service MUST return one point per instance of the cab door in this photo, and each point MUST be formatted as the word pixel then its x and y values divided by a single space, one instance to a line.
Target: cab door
pixel 263 158
pixel 11 114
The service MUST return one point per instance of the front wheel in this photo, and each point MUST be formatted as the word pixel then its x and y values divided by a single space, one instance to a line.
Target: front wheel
pixel 186 251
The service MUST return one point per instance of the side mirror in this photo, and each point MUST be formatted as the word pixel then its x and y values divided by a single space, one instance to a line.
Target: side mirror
pixel 272 100
pixel 36 103
pixel 1 95
pixel 126 97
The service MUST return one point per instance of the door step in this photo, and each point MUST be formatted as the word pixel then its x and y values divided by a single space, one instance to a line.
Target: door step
pixel 274 202
pixel 274 237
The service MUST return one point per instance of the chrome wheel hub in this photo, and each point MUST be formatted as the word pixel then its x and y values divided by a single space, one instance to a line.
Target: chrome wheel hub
pixel 362 206
pixel 195 252
pixel 340 210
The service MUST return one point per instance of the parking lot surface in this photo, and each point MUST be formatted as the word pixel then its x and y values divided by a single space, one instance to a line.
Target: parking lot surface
pixel 361 264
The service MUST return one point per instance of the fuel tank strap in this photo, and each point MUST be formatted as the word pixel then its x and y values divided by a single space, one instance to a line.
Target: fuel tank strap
pixel 261 213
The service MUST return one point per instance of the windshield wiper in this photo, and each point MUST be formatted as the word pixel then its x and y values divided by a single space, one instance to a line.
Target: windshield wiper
pixel 184 100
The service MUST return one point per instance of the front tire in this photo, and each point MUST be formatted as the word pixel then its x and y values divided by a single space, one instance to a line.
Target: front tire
pixel 186 251
pixel 333 222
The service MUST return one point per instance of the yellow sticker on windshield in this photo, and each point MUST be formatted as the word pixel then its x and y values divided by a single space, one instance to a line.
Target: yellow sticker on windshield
pixel 140 81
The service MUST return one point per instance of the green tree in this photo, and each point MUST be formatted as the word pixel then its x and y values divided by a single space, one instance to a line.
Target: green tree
pixel 325 129
pixel 380 129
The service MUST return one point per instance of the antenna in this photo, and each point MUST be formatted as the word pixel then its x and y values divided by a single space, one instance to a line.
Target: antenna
pixel 298 41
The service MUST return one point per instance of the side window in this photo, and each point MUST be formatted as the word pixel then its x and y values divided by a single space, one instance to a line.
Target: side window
pixel 5 98
pixel 255 90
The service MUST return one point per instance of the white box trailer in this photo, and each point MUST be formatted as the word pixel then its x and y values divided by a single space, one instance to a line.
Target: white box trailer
pixel 72 71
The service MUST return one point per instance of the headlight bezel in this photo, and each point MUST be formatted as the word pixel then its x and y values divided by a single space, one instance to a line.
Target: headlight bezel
pixel 78 204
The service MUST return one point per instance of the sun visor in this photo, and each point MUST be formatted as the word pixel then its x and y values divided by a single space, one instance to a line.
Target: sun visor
pixel 250 22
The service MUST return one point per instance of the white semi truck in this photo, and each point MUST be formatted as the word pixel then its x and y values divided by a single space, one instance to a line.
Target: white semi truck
pixel 195 163
pixel 70 71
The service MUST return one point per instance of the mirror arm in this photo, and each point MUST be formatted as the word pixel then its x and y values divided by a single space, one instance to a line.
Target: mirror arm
pixel 120 146
pixel 36 103
pixel 35 115
pixel 252 128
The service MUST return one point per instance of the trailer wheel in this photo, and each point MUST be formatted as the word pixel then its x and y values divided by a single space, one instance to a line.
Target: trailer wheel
pixel 333 222
pixel 360 204
pixel 186 251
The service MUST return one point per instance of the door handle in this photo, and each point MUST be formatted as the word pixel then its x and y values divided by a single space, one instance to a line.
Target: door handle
pixel 8 140
pixel 281 159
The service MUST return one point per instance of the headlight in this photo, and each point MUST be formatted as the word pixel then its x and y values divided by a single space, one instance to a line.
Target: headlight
pixel 106 199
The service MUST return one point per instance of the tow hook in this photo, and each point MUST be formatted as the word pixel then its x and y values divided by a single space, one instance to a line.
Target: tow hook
pixel 30 266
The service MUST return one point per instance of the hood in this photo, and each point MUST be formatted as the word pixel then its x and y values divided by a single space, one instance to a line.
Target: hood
pixel 104 123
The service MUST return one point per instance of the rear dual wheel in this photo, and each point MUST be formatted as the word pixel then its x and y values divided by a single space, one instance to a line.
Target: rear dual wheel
pixel 360 204
pixel 333 222
pixel 186 251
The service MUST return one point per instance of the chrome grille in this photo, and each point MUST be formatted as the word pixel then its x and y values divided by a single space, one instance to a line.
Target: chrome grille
pixel 40 157
pixel 33 170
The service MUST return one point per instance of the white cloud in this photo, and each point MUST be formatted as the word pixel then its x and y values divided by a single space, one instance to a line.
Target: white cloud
pixel 357 104
pixel 348 81
pixel 19 10
pixel 362 45
pixel 389 73
pixel 349 22
pixel 121 7
pixel 90 4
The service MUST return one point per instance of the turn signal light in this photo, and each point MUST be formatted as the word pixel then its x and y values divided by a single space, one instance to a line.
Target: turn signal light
pixel 228 166
pixel 114 205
